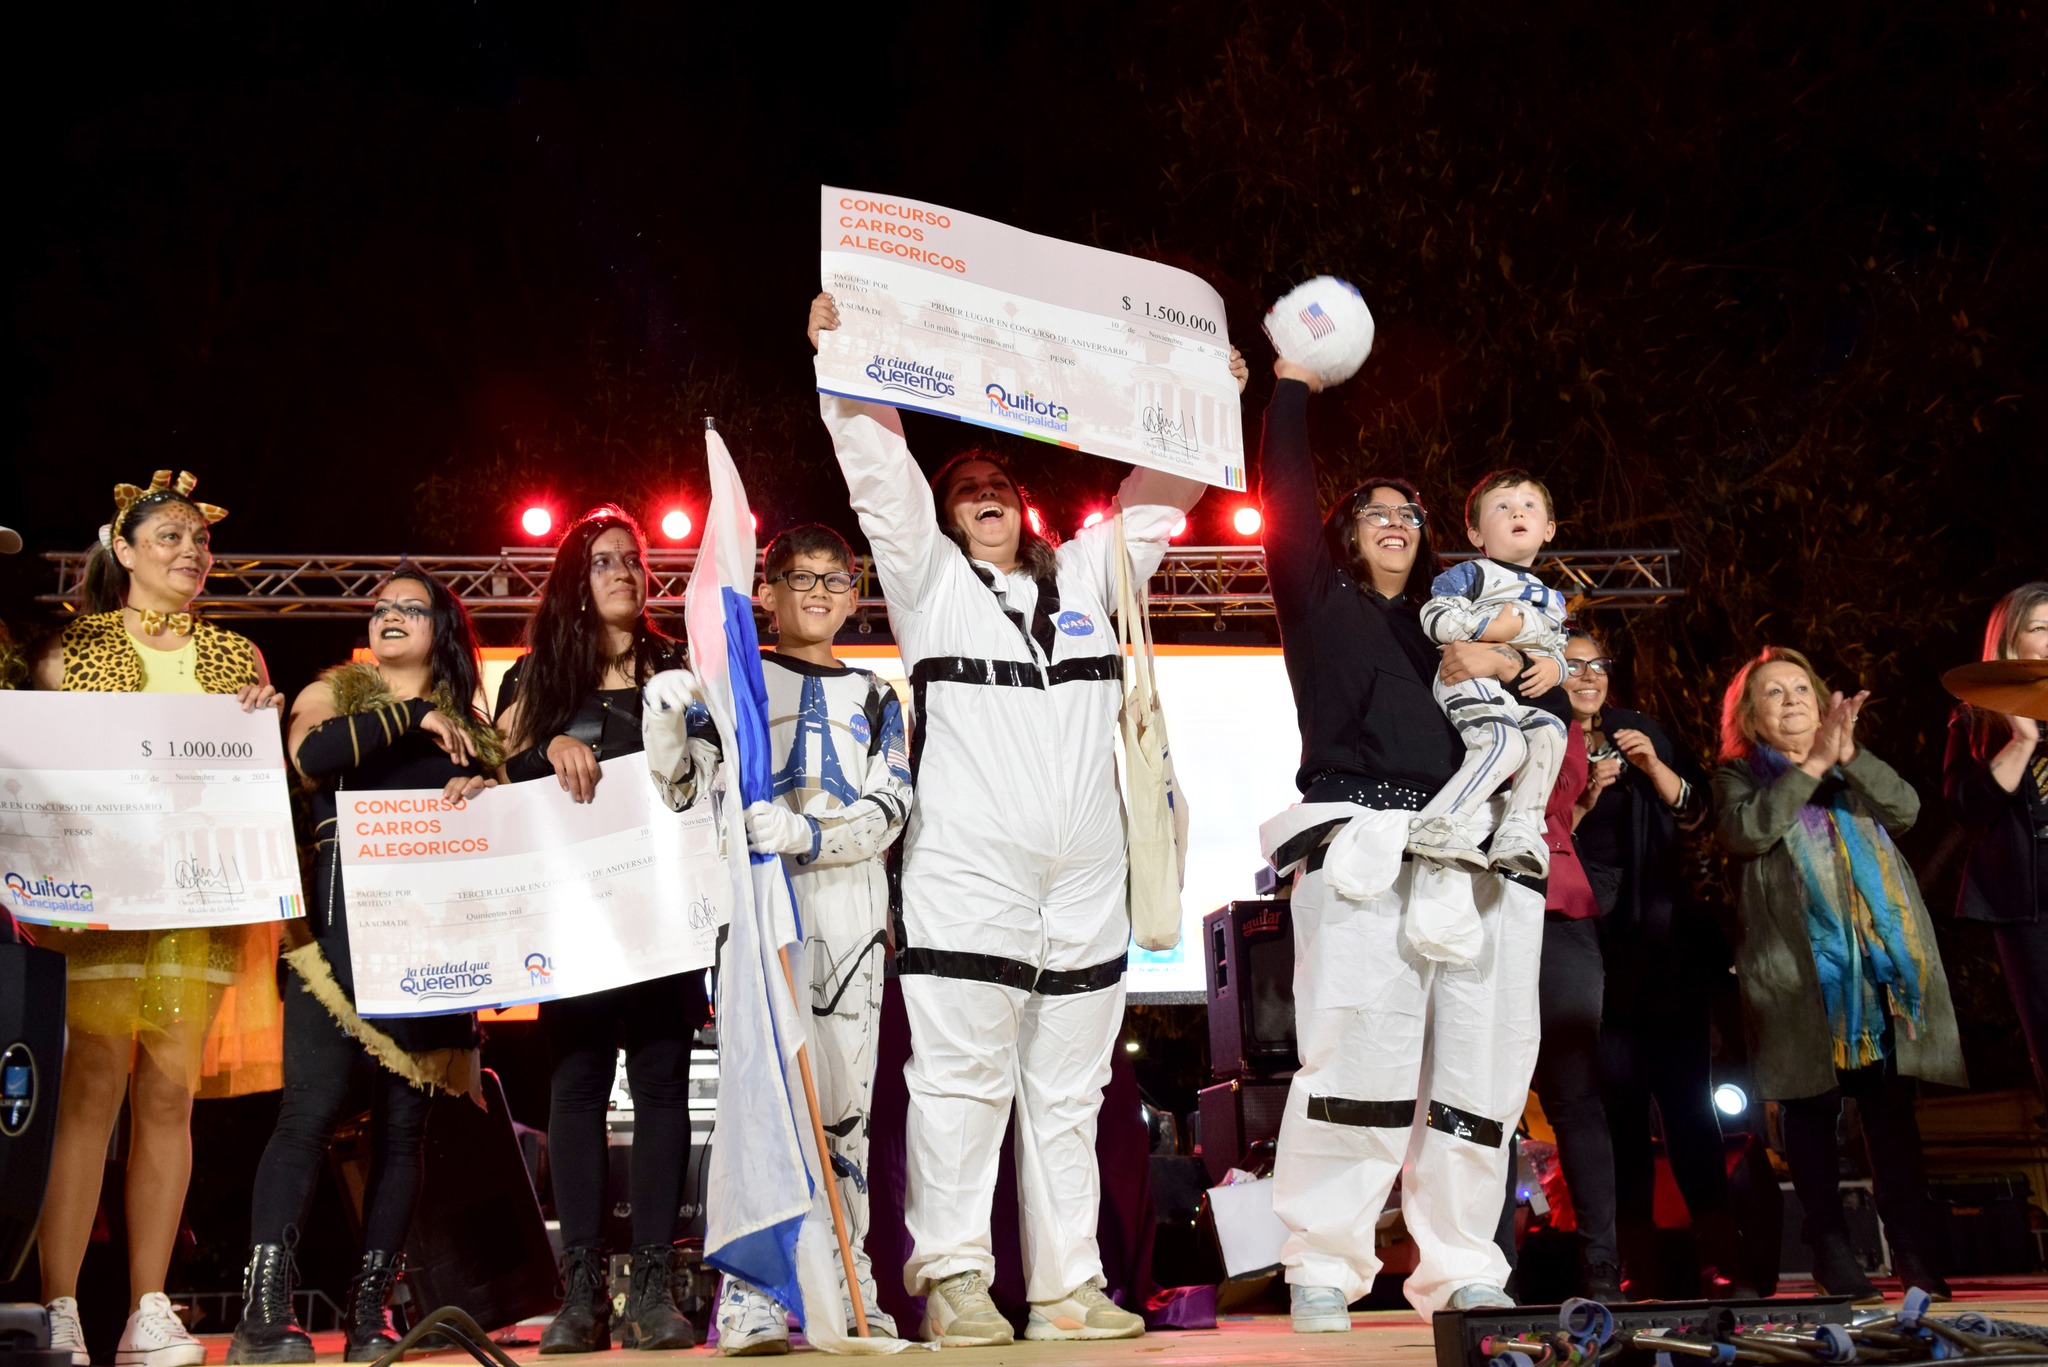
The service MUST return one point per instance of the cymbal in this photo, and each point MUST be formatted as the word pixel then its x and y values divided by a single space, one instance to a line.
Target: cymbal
pixel 2018 688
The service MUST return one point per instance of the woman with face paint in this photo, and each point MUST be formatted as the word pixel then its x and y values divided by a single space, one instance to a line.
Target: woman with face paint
pixel 408 718
pixel 143 1008
pixel 570 704
pixel 1843 991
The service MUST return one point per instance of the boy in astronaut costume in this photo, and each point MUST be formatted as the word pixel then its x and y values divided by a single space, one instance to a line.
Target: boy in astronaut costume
pixel 842 793
pixel 1497 598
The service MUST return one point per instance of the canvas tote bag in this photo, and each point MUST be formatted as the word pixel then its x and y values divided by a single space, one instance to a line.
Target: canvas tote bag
pixel 1155 808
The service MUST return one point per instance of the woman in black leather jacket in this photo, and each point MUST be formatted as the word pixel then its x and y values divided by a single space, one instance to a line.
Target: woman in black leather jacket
pixel 571 703
pixel 1996 781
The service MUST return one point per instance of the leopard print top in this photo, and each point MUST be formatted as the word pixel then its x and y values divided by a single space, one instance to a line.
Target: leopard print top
pixel 100 657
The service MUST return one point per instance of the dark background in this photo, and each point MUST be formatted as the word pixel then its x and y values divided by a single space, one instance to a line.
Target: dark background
pixel 1767 287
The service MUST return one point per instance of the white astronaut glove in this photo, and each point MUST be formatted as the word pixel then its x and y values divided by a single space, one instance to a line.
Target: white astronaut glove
pixel 774 829
pixel 669 703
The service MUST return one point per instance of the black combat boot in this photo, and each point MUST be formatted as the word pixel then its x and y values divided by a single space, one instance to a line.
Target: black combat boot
pixel 268 1333
pixel 367 1319
pixel 1839 1274
pixel 584 1323
pixel 652 1319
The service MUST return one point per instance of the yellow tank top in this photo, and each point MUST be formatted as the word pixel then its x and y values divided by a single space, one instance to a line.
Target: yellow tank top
pixel 170 671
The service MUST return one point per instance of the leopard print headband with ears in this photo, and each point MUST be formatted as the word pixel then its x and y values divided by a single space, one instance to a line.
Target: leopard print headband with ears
pixel 128 498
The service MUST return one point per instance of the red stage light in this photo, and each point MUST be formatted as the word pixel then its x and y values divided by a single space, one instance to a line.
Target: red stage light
pixel 675 524
pixel 1093 519
pixel 1037 522
pixel 755 518
pixel 1246 520
pixel 1179 528
pixel 536 521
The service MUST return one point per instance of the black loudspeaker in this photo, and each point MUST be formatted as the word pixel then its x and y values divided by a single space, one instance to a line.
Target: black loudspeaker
pixel 1982 1224
pixel 478 1241
pixel 1248 952
pixel 31 1075
pixel 1235 1116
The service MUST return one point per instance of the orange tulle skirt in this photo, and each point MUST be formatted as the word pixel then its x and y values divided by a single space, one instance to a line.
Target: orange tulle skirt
pixel 200 1001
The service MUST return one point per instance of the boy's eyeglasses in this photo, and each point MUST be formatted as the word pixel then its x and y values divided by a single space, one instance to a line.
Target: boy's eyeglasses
pixel 803 581
pixel 1600 666
pixel 1387 514
pixel 416 612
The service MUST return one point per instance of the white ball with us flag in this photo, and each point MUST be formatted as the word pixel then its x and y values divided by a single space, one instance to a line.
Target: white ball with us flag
pixel 1324 326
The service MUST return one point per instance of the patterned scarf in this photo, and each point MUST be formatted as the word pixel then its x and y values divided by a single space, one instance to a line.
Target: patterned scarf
pixel 1869 950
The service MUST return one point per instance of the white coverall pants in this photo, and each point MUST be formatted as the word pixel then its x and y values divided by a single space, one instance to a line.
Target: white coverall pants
pixel 844 910
pixel 987 1050
pixel 1404 1061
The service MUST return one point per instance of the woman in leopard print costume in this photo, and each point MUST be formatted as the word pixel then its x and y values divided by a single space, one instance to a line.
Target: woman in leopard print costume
pixel 145 1008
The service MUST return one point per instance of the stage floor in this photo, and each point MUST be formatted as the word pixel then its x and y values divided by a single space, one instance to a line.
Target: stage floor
pixel 1386 1336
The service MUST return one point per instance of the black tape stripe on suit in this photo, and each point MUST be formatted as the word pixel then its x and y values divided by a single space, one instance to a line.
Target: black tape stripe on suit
pixel 1072 982
pixel 1371 1115
pixel 1088 668
pixel 1005 972
pixel 1535 884
pixel 1009 673
pixel 1043 612
pixel 879 938
pixel 1465 1125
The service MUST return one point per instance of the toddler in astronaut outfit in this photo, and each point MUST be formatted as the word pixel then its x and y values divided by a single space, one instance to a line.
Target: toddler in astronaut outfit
pixel 1497 597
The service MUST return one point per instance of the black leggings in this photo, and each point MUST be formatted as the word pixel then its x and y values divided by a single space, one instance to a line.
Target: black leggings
pixel 1891 1134
pixel 320 1059
pixel 1568 1077
pixel 1664 1054
pixel 657 1021
pixel 2023 953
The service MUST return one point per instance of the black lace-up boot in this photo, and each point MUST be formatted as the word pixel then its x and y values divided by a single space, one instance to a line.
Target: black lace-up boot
pixel 367 1319
pixel 584 1323
pixel 268 1333
pixel 652 1319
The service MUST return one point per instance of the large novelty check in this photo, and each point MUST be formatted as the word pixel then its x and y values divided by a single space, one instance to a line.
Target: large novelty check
pixel 144 811
pixel 971 319
pixel 521 895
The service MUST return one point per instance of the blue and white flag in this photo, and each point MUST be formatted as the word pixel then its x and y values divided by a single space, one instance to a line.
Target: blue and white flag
pixel 767 1217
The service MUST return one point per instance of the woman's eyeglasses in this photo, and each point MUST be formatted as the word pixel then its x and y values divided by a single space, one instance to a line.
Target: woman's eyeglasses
pixel 1387 514
pixel 412 612
pixel 803 581
pixel 1600 666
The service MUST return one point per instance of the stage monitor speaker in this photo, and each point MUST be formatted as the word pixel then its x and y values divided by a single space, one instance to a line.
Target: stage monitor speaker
pixel 31 1075
pixel 1248 952
pixel 1235 1116
pixel 478 1241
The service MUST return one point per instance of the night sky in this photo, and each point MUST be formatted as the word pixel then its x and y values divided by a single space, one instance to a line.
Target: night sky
pixel 1765 287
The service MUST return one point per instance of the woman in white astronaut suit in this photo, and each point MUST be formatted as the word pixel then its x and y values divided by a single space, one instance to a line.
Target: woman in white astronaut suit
pixel 1011 944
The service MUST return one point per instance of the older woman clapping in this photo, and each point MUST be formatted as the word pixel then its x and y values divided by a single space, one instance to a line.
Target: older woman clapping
pixel 1842 985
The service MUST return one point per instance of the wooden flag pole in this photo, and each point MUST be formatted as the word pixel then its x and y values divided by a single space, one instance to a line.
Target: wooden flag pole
pixel 803 1063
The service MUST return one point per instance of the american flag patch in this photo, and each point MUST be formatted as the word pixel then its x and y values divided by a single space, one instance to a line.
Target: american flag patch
pixel 1316 321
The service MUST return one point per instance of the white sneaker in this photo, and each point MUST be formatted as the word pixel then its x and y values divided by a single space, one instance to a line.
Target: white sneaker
pixel 1480 1296
pixel 65 1331
pixel 1084 1314
pixel 880 1324
pixel 958 1313
pixel 1446 840
pixel 750 1322
pixel 156 1337
pixel 1318 1310
pixel 1518 846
